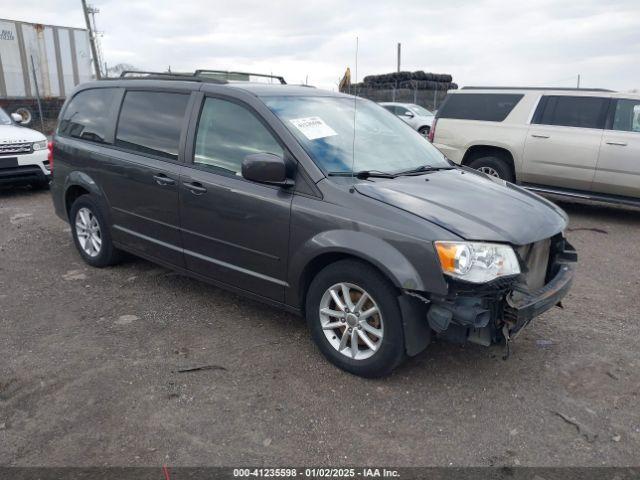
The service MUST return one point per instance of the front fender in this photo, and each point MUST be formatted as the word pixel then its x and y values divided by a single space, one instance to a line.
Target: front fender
pixel 357 244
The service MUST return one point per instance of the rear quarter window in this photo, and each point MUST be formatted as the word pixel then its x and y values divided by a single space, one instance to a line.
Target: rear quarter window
pixel 88 115
pixel 489 107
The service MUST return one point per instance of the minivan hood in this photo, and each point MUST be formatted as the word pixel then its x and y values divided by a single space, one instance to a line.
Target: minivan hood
pixel 471 205
pixel 15 134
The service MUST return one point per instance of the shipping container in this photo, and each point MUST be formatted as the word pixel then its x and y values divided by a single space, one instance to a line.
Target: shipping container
pixel 57 58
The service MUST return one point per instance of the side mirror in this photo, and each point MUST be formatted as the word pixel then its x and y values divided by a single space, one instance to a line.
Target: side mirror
pixel 408 114
pixel 266 168
pixel 16 117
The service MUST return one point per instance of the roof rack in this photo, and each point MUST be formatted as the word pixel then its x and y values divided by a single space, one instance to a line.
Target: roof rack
pixel 148 75
pixel 569 89
pixel 228 74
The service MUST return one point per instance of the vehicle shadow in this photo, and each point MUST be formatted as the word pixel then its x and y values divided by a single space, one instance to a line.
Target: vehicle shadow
pixel 14 191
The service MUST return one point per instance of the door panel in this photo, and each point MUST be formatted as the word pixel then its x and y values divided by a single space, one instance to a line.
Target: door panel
pixel 618 170
pixel 561 156
pixel 236 231
pixel 562 144
pixel 143 194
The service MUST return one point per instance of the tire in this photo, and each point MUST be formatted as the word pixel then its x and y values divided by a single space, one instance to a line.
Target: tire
pixel 494 166
pixel 424 131
pixel 107 254
pixel 390 349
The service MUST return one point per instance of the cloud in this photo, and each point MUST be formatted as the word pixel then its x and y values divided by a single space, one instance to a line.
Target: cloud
pixel 536 42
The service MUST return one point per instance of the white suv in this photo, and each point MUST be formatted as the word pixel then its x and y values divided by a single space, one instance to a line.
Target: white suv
pixel 576 142
pixel 24 153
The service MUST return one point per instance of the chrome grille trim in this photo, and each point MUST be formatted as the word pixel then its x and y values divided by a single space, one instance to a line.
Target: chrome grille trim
pixel 15 148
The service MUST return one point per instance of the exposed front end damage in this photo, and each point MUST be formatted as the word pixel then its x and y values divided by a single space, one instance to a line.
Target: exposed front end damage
pixel 496 312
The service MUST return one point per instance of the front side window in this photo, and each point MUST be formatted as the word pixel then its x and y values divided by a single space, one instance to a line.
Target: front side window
pixel 627 116
pixel 488 107
pixel 88 115
pixel 566 111
pixel 324 127
pixel 227 133
pixel 150 123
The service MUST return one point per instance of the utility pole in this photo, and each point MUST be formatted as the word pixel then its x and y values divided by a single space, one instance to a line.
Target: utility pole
pixel 92 40
pixel 578 80
pixel 399 52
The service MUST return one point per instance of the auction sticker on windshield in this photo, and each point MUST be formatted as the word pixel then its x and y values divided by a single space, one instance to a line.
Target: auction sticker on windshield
pixel 313 127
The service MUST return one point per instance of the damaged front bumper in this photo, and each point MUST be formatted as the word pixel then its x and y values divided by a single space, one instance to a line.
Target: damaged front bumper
pixel 487 313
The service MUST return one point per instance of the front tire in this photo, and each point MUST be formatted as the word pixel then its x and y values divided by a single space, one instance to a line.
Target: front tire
pixel 354 318
pixel 424 131
pixel 91 233
pixel 494 167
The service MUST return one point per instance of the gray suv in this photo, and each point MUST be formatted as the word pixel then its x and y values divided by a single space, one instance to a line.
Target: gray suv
pixel 313 201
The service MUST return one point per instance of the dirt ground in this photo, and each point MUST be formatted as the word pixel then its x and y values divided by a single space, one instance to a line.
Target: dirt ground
pixel 90 359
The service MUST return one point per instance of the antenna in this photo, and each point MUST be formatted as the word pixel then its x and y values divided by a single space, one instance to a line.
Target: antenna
pixel 355 105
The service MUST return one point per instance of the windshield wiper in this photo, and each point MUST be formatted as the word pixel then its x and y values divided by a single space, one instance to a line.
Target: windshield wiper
pixel 363 174
pixel 421 169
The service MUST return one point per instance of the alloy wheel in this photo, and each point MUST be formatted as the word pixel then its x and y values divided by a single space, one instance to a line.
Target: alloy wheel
pixel 88 232
pixel 351 321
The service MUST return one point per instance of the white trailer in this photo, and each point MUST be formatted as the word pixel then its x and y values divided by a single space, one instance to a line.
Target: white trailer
pixel 60 56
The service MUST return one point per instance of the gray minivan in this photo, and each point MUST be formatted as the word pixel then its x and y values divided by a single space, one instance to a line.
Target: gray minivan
pixel 313 201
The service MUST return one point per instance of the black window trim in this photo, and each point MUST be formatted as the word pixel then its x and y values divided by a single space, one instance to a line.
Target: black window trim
pixel 183 130
pixel 193 132
pixel 606 115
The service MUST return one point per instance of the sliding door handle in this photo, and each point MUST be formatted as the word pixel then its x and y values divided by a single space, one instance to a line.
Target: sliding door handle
pixel 195 187
pixel 620 144
pixel 162 179
pixel 538 135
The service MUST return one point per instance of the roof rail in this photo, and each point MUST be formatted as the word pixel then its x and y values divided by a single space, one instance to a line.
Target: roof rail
pixel 201 72
pixel 148 75
pixel 569 89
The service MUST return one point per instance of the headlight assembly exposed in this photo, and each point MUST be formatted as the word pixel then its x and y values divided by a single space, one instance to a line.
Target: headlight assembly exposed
pixel 477 262
pixel 40 145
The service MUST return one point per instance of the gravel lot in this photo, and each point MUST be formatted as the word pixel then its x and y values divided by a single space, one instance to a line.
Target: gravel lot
pixel 90 359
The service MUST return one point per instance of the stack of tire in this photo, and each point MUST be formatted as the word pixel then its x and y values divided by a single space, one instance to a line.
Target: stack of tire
pixel 412 80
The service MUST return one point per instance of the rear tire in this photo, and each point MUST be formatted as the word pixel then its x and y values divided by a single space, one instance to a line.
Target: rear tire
pixel 495 167
pixel 382 329
pixel 424 131
pixel 91 233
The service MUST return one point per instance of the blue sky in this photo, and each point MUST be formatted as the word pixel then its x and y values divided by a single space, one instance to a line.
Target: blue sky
pixel 480 42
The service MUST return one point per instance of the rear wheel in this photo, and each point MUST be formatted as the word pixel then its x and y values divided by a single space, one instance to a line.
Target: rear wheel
pixel 354 318
pixel 91 233
pixel 494 167
pixel 424 131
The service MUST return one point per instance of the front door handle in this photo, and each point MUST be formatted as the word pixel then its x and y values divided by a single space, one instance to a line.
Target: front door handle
pixel 538 135
pixel 620 144
pixel 162 179
pixel 195 187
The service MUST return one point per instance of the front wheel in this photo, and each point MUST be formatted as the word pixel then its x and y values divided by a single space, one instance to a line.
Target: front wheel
pixel 354 318
pixel 424 131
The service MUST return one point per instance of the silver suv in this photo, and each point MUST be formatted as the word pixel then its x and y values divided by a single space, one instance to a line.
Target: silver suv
pixel 580 143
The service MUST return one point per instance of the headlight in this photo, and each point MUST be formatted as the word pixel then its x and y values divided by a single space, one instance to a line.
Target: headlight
pixel 477 262
pixel 40 145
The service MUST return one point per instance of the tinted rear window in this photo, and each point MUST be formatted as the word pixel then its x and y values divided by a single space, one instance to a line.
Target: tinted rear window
pixel 88 115
pixel 567 111
pixel 490 107
pixel 151 122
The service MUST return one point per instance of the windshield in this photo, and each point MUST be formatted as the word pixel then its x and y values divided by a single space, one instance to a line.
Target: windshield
pixel 324 126
pixel 4 118
pixel 418 110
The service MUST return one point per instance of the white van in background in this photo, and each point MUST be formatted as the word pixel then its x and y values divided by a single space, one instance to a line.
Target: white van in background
pixel 581 143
